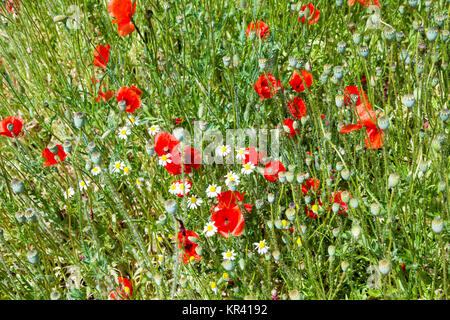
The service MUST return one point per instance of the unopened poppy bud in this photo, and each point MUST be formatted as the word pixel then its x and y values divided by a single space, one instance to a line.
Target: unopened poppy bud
pixel 335 207
pixel 304 120
pixel 30 215
pixel 20 216
pixel 158 278
pixel 96 158
pixel 150 149
pixel 276 255
pixel 55 295
pixel 437 225
pixel 375 208
pixel 364 51
pixel 228 265
pixel 444 114
pixel 344 266
pixel 259 204
pixel 237 60
pixel 356 232
pixel 295 295
pixel 384 266
pixel 334 80
pixel 345 174
pixel 432 33
pixel 401 9
pixel 17 186
pixel 171 206
pixel 193 239
pixel 331 250
pixel 67 146
pixel 278 224
pixel 327 69
pixel 423 166
pixel 444 65
pixel 270 197
pixel 300 177
pixel 290 214
pixel 341 46
pixel 33 256
pixel 442 186
pixel 226 61
pixel 434 81
pixel 356 38
pixel 354 203
pixel 262 62
pixel 79 119
pixel 122 104
pixel 393 180
pixel 435 144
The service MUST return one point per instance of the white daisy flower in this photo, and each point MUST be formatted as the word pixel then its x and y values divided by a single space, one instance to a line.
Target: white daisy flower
pixel 83 185
pixel 262 247
pixel 69 193
pixel 140 182
pixel 165 159
pixel 126 170
pixel 223 150
pixel 240 154
pixel 213 286
pixel 183 188
pixel 193 202
pixel 133 121
pixel 247 168
pixel 173 189
pixel 210 229
pixel 231 177
pixel 124 132
pixel 118 165
pixel 160 259
pixel 213 190
pixel 153 130
pixel 96 171
pixel 229 255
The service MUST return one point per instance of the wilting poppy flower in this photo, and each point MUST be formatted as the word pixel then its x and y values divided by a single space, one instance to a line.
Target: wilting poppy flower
pixel 298 81
pixel 314 14
pixel 261 28
pixel 253 156
pixel 125 290
pixel 289 124
pixel 131 96
pixel 101 56
pixel 50 156
pixel 297 108
pixel 228 199
pixel 266 89
pixel 349 91
pixel 366 3
pixel 272 169
pixel 122 11
pixel 105 96
pixel 367 117
pixel 11 127
pixel 309 184
pixel 187 246
pixel 229 220
pixel 336 198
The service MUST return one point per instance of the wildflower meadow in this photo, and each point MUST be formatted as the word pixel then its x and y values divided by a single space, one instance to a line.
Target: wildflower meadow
pixel 224 150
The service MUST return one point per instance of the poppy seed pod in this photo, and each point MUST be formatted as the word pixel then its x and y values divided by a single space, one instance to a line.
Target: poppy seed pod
pixel 290 214
pixel 67 146
pixel 444 114
pixel 432 33
pixel 442 186
pixel 338 72
pixel 163 218
pixel 384 266
pixel 307 199
pixel 334 80
pixel 171 206
pixel 413 3
pixel 226 61
pixel 96 158
pixel 259 204
pixel 158 278
pixel 383 122
pixel 289 176
pixel 339 100
pixel 55 295
pixel 122 104
pixel 300 177
pixel 262 63
pixel 241 264
pixel 79 119
pixel 345 196
pixel 331 250
pixel 282 176
pixel 375 208
pixel 323 78
pixel 91 146
pixel 20 216
pixel 345 174
pixel 33 256
pixel 356 232
pixel 401 9
pixel 444 35
pixel 364 51
pixel 17 186
pixel 150 149
pixel 327 69
pixel 335 207
pixel 344 266
pixel 203 125
pixel 341 47
pixel 389 34
pixel 393 180
pixel 271 197
pixel 276 255
pixel 354 203
pixel 237 60
pixel 356 37
pixel 30 215
pixel 269 224
pixel 437 225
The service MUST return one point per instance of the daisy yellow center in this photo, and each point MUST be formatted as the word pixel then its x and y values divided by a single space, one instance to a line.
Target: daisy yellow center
pixel 159 239
pixel 224 149
pixel 152 129
pixel 231 178
pixel 192 258
pixel 299 241
pixel 164 157
pixel 126 169
pixel 193 199
pixel 229 254
pixel 170 236
pixel 83 183
pixel 132 120
pixel 209 228
pixel 225 275
pixel 68 191
pixel 213 285
pixel 117 165
pixel 123 131
pixel 241 152
pixel 95 169
pixel 138 181
pixel 173 187
pixel 262 245
pixel 160 258
pixel 315 207
pixel 212 189
pixel 126 289
pixel 284 222
pixel 247 167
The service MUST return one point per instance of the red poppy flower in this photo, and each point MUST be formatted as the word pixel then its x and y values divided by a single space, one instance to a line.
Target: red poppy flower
pixel 314 14
pixel 311 211
pixel 131 96
pixel 272 169
pixel 14 123
pixel 178 121
pixel 265 89
pixel 101 95
pixel 188 247
pixel 309 184
pixel 261 28
pixel 336 198
pixel 125 290
pixel 297 108
pixel 353 90
pixel 366 3
pixel 228 199
pixel 12 6
pixel 165 143
pixel 229 221
pixel 289 123
pixel 368 118
pixel 101 56
pixel 253 156
pixel 122 11
pixel 50 157
pixel 298 82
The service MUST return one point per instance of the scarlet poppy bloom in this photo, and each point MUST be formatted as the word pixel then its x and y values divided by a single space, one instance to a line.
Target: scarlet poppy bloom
pixel 261 28
pixel 336 198
pixel 374 133
pixel 366 3
pixel 253 156
pixel 265 89
pixel 187 246
pixel 11 127
pixel 101 56
pixel 349 91
pixel 289 124
pixel 50 157
pixel 229 221
pixel 101 95
pixel 314 14
pixel 125 290
pixel 298 81
pixel 228 199
pixel 122 11
pixel 165 143
pixel 178 121
pixel 272 169
pixel 309 184
pixel 297 108
pixel 131 96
